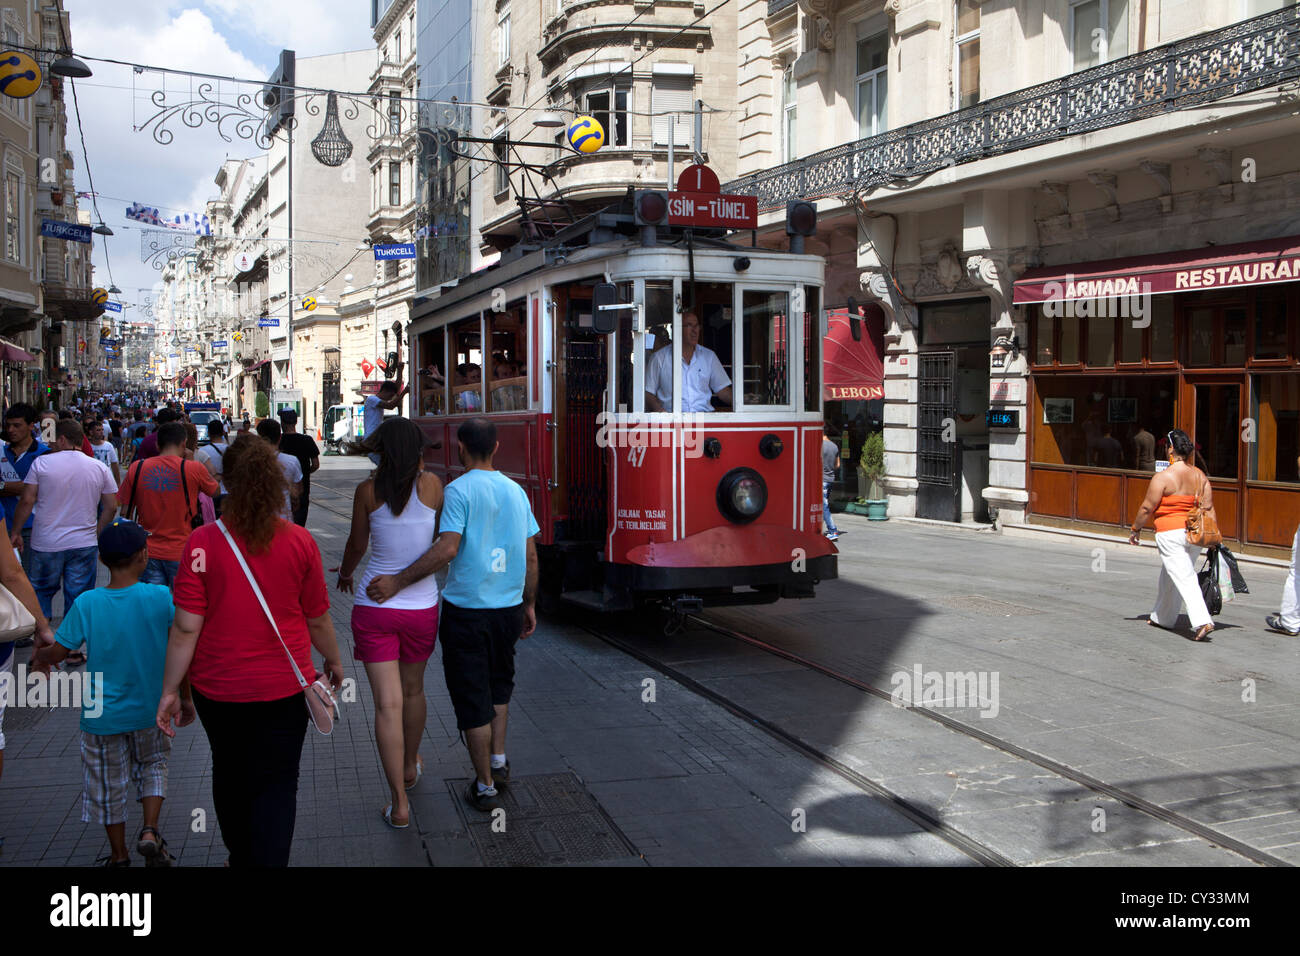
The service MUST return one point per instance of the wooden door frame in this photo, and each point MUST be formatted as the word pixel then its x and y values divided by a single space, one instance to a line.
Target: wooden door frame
pixel 1187 383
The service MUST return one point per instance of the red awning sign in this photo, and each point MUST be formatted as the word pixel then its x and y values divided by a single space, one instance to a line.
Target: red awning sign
pixel 1219 267
pixel 853 369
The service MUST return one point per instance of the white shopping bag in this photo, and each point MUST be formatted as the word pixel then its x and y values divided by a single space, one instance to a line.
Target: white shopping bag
pixel 1225 579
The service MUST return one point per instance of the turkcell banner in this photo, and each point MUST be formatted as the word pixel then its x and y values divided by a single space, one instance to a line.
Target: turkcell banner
pixel 219 345
pixel 54 229
pixel 268 323
pixel 112 306
pixel 401 250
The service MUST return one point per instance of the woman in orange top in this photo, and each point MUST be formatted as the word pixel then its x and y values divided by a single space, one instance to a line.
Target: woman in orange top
pixel 1170 496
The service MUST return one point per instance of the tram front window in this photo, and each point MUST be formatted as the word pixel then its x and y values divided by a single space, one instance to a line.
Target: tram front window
pixel 703 376
pixel 765 347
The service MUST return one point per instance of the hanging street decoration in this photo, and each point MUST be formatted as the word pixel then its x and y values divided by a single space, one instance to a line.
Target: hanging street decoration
pixel 160 246
pixel 98 296
pixel 20 75
pixel 331 146
pixel 309 304
pixel 195 222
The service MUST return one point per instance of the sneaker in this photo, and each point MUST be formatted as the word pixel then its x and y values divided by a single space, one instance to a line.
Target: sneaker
pixel 485 801
pixel 832 535
pixel 1274 622
pixel 501 776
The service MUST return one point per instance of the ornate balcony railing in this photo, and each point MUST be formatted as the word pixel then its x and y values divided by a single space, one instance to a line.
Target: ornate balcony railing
pixel 1251 55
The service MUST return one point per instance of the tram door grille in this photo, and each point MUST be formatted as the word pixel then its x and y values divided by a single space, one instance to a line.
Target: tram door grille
pixel 585 374
pixel 938 466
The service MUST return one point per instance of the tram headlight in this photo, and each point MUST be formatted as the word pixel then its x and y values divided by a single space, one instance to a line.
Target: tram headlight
pixel 742 495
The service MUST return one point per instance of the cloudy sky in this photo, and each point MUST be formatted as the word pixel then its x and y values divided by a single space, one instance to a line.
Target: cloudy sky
pixel 240 38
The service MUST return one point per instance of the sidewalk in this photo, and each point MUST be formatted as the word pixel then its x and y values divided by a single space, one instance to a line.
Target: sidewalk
pixel 601 776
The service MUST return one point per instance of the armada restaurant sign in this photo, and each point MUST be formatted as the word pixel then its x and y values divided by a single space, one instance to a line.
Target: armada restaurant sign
pixel 1219 267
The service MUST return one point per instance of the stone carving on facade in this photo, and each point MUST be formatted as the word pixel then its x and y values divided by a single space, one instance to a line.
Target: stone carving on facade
pixel 1058 191
pixel 1160 172
pixel 1109 186
pixel 948 268
pixel 893 7
pixel 878 283
pixel 993 275
pixel 821 12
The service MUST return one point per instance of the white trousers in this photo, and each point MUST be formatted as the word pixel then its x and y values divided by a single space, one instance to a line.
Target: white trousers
pixel 1291 591
pixel 1178 581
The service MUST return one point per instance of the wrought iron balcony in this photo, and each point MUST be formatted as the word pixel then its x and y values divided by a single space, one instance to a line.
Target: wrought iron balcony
pixel 1251 55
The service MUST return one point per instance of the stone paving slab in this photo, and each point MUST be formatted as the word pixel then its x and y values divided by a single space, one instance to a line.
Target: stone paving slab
pixel 673 775
pixel 1083 681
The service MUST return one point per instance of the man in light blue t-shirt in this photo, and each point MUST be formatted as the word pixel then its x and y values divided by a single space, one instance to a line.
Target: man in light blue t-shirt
pixel 488 602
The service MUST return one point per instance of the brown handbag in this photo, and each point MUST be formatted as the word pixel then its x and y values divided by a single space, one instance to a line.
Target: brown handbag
pixel 1202 529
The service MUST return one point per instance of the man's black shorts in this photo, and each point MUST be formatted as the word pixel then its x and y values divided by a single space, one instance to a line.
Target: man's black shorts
pixel 478 659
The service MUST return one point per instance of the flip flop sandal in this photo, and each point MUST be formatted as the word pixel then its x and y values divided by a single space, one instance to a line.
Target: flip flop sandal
pixel 419 772
pixel 154 851
pixel 388 818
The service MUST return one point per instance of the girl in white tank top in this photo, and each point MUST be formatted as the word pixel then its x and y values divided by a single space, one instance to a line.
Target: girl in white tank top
pixel 396 541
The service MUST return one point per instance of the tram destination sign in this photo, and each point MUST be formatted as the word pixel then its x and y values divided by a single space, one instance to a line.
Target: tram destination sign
pixel 712 210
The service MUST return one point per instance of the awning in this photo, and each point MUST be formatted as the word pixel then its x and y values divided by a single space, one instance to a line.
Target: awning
pixel 12 353
pixel 187 381
pixel 254 367
pixel 1217 267
pixel 853 370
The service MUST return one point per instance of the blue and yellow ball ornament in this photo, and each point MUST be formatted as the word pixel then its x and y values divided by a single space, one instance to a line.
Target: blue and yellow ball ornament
pixel 98 296
pixel 585 134
pixel 20 76
pixel 309 304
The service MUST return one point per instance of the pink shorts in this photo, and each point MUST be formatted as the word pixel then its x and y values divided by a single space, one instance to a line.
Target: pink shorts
pixel 390 634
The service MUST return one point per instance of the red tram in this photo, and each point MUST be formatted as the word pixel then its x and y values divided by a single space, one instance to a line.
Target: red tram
pixel 716 498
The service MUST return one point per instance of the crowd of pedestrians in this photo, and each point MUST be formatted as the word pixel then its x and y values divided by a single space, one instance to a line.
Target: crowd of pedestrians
pixel 217 597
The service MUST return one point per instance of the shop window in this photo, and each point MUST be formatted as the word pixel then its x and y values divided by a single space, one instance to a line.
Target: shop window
pixel 467 372
pixel 433 373
pixel 1200 336
pixel 1131 337
pixel 1101 341
pixel 1162 329
pixel 1234 337
pixel 812 350
pixel 1270 325
pixel 1103 422
pixel 1044 339
pixel 1069 340
pixel 507 363
pixel 765 347
pixel 1275 407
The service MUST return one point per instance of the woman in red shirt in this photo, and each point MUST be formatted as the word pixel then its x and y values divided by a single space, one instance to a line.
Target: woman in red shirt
pixel 245 691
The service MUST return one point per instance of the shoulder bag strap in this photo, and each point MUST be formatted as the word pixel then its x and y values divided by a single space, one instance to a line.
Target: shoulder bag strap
pixel 239 556
pixel 185 490
pixel 135 486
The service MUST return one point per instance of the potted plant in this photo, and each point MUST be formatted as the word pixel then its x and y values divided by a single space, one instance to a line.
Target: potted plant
pixel 871 465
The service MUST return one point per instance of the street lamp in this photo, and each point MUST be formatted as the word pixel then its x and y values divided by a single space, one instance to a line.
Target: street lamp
pixel 102 230
pixel 69 66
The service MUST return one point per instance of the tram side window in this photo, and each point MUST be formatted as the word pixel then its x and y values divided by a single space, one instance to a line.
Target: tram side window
pixel 467 372
pixel 433 371
pixel 765 347
pixel 659 321
pixel 812 353
pixel 508 382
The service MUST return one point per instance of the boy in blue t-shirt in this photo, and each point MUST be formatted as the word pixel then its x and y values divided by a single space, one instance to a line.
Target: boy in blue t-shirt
pixel 124 627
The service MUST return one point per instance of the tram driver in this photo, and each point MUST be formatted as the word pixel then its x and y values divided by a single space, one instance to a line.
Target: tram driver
pixel 703 377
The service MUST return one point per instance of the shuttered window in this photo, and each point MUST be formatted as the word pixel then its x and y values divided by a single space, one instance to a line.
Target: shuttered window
pixel 672 93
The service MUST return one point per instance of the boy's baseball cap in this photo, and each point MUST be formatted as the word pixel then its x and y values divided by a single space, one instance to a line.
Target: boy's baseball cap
pixel 122 538
pixel 288 416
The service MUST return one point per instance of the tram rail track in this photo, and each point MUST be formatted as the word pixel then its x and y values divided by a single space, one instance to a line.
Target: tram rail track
pixel 1119 794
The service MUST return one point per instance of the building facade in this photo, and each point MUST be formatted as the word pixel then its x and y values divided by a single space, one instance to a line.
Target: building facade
pixel 968 211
